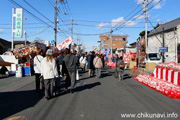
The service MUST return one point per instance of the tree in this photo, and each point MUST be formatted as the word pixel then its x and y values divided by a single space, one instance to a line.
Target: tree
pixel 39 40
pixel 156 26
pixel 142 34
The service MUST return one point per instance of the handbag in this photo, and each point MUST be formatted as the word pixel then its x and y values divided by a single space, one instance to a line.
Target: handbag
pixel 121 66
pixel 77 75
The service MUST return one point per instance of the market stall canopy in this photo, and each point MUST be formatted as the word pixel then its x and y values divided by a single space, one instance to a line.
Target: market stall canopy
pixel 2 63
pixel 29 49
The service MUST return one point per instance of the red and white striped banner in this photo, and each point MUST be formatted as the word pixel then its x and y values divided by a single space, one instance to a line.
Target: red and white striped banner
pixel 170 76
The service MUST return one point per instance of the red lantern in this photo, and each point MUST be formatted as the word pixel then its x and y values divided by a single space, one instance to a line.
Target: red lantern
pixel 166 92
pixel 178 94
pixel 172 94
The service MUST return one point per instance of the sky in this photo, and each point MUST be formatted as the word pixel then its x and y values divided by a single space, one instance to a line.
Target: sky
pixel 90 18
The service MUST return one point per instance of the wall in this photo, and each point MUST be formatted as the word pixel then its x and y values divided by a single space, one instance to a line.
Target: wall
pixel 170 42
pixel 118 42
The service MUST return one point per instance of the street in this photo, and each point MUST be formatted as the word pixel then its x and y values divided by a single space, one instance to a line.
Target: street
pixel 106 98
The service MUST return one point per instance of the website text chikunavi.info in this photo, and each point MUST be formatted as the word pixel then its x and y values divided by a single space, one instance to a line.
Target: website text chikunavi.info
pixel 150 115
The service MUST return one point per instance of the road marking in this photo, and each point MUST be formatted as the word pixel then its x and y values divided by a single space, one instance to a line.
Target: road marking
pixel 17 118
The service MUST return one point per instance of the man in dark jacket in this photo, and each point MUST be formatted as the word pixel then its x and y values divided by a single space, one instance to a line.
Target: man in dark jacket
pixel 69 68
pixel 90 63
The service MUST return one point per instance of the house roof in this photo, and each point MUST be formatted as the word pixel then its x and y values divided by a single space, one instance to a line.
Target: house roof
pixel 5 42
pixel 21 42
pixel 167 26
pixel 108 35
pixel 8 43
pixel 133 43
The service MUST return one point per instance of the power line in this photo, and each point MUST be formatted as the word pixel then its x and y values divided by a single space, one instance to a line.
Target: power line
pixel 138 16
pixel 102 21
pixel 39 32
pixel 38 11
pixel 105 26
pixel 71 13
pixel 156 31
pixel 15 3
pixel 125 22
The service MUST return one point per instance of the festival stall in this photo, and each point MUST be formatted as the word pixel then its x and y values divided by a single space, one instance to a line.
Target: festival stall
pixel 165 79
pixel 27 52
pixel 129 57
pixel 110 63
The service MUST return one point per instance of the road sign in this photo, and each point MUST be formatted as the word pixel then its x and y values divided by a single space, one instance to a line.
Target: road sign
pixel 163 49
pixel 19 21
pixel 52 41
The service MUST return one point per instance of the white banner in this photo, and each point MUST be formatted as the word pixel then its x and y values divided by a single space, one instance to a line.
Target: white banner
pixel 19 22
pixel 65 44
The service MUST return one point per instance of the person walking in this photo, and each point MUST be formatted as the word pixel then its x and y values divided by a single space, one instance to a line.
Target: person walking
pixel 49 72
pixel 121 67
pixel 97 62
pixel 69 68
pixel 115 60
pixel 37 68
pixel 90 64
pixel 60 60
pixel 82 62
pixel 103 62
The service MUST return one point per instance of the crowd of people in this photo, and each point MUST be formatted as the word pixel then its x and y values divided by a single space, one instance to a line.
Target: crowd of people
pixel 49 70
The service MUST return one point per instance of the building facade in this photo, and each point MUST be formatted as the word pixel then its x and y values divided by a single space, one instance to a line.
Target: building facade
pixel 170 31
pixel 117 41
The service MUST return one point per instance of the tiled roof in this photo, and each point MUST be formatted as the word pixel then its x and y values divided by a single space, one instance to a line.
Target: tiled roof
pixel 5 42
pixel 167 26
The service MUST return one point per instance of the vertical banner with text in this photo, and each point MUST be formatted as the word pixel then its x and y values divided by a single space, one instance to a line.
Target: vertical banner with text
pixel 19 22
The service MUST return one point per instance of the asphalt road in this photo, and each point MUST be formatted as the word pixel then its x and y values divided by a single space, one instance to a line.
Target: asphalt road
pixel 94 99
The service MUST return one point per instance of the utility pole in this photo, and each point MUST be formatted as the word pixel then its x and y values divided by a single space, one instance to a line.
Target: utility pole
pixel 12 44
pixel 111 41
pixel 55 23
pixel 77 41
pixel 163 44
pixel 25 37
pixel 146 17
pixel 72 44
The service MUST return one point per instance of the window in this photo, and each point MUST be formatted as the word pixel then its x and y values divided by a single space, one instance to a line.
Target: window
pixel 154 56
pixel 114 39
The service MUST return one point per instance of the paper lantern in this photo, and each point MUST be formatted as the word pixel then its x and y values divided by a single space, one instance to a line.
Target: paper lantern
pixel 166 92
pixel 172 94
pixel 178 94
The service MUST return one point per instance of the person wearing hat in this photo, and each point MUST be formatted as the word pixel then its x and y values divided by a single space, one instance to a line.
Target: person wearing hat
pixel 49 72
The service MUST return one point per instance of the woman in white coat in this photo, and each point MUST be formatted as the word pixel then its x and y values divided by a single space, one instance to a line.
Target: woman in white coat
pixel 49 72
pixel 37 68
pixel 82 62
